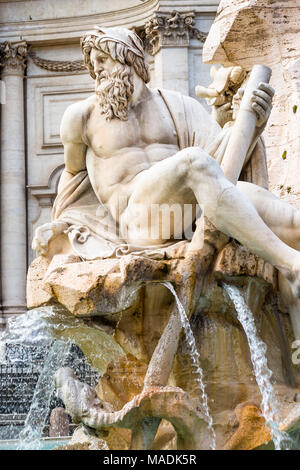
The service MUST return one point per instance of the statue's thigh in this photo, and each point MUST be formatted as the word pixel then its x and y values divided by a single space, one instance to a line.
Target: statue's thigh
pixel 165 182
pixel 157 203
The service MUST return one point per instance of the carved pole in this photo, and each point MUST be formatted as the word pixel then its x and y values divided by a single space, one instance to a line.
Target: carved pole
pixel 244 128
pixel 13 201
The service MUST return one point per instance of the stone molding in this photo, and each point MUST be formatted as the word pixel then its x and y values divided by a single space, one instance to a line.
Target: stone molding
pixel 58 65
pixel 45 194
pixel 13 57
pixel 172 29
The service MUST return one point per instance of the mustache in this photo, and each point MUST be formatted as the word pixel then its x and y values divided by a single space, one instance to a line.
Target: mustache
pixel 119 76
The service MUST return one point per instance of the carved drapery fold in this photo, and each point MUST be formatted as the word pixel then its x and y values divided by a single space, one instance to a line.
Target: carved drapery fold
pixel 172 29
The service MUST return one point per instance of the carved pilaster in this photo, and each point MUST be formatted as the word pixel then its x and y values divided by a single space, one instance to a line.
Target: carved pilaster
pixel 13 57
pixel 12 179
pixel 172 29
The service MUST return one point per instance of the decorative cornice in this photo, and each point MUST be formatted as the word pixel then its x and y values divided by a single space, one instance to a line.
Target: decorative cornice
pixel 172 29
pixel 13 57
pixel 58 65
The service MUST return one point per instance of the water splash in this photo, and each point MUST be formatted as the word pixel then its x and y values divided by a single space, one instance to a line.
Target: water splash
pixel 35 330
pixel 30 436
pixel 195 359
pixel 51 330
pixel 270 407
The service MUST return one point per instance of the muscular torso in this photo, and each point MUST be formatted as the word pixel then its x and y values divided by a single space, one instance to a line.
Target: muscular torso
pixel 120 151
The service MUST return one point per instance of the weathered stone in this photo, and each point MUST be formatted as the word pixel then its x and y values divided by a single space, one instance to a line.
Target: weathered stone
pixel 100 286
pixel 172 404
pixel 59 423
pixel 247 32
pixel 37 293
pixel 236 260
pixel 251 432
pixel 291 423
pixel 84 440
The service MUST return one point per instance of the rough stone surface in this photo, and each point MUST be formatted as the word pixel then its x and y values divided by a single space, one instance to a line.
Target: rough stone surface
pixel 236 260
pixel 59 423
pixel 246 32
pixel 169 403
pixel 221 342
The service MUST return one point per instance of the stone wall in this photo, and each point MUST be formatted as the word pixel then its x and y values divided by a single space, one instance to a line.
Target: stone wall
pixel 246 32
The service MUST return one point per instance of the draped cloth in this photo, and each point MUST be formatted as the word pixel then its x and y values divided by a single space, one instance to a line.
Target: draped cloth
pixel 93 232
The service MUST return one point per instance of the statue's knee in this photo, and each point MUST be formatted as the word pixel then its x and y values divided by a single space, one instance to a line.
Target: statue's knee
pixel 196 159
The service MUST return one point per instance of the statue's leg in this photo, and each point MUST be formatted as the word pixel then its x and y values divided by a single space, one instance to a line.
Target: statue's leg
pixel 282 218
pixel 192 169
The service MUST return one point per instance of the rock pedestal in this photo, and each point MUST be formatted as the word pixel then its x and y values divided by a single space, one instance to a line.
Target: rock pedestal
pixel 13 193
pixel 59 423
pixel 124 301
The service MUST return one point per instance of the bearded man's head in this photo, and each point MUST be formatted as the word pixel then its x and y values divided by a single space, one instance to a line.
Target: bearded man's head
pixel 114 89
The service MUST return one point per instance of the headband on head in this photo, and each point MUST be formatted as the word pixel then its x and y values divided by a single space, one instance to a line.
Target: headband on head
pixel 122 35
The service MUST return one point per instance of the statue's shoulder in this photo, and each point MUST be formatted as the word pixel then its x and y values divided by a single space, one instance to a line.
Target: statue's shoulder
pixel 80 108
pixel 74 118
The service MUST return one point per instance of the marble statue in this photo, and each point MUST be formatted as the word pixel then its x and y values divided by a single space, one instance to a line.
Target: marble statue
pixel 159 204
pixel 129 146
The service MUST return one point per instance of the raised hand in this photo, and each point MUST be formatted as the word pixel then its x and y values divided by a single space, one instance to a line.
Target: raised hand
pixel 262 103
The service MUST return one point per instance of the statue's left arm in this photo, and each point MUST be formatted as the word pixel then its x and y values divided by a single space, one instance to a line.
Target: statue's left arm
pixel 209 135
pixel 262 106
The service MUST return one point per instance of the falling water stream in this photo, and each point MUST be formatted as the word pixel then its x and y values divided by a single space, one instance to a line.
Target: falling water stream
pixel 260 366
pixel 32 329
pixel 195 359
pixel 30 436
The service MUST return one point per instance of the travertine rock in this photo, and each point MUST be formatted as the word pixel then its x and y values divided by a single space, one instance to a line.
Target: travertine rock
pixel 84 440
pixel 137 324
pixel 236 260
pixel 251 432
pixel 247 32
pixel 169 403
pixel 59 423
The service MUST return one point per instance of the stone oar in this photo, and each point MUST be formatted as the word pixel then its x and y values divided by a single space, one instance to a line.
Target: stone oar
pixel 244 128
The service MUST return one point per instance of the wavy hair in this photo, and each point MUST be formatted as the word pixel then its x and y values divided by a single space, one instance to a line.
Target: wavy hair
pixel 117 51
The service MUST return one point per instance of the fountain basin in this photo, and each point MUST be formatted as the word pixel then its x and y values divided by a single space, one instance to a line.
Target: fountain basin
pixel 125 299
pixel 47 443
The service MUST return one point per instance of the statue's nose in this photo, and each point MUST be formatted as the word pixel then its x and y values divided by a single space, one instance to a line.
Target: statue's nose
pixel 98 69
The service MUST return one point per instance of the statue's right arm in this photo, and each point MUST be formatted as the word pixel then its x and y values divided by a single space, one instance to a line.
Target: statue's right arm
pixel 71 131
pixel 74 156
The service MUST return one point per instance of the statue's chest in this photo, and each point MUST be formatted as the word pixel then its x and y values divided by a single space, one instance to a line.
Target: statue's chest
pixel 143 127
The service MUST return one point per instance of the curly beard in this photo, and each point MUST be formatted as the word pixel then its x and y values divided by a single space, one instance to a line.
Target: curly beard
pixel 113 91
